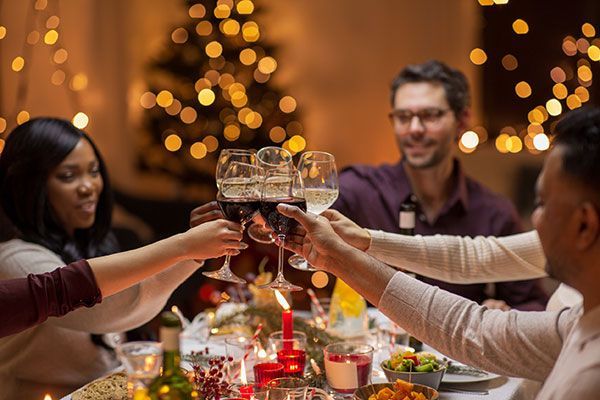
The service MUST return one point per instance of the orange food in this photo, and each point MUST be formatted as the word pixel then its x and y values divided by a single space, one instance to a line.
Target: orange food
pixel 402 391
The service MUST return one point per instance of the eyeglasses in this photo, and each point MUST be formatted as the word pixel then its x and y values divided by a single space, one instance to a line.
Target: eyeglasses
pixel 428 116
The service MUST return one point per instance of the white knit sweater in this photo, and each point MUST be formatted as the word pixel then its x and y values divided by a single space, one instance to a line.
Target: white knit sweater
pixel 58 356
pixel 467 260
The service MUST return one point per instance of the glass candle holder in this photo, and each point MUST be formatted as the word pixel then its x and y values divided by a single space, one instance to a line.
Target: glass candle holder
pixel 347 366
pixel 240 347
pixel 287 389
pixel 142 362
pixel 290 352
pixel 249 391
pixel 265 372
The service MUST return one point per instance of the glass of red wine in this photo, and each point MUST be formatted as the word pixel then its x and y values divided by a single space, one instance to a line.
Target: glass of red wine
pixel 239 200
pixel 281 187
pixel 347 366
pixel 269 159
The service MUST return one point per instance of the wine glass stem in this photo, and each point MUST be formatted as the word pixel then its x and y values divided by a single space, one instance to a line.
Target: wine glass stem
pixel 280 261
pixel 226 262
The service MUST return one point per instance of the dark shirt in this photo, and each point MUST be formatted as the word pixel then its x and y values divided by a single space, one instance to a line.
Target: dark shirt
pixel 25 302
pixel 371 197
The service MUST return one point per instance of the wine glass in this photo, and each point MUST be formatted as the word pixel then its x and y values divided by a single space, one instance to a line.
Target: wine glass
pixel 321 189
pixel 238 198
pixel 281 187
pixel 268 159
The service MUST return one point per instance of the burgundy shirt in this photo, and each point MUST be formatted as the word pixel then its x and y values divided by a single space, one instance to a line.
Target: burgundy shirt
pixel 371 197
pixel 25 302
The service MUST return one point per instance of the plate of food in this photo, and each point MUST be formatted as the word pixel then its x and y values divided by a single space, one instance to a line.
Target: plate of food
pixel 424 368
pixel 397 390
pixel 457 372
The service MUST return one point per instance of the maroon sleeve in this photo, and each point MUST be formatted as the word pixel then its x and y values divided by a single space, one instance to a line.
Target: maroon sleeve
pixel 29 301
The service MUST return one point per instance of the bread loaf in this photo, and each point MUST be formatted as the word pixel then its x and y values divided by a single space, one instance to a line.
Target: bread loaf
pixel 112 387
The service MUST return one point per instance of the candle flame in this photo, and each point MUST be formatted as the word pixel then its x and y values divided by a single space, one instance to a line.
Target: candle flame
pixel 243 378
pixel 47 397
pixel 315 366
pixel 281 300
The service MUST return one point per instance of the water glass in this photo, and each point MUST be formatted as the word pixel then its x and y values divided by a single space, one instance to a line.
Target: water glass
pixel 391 337
pixel 347 366
pixel 321 320
pixel 142 362
pixel 290 352
pixel 241 348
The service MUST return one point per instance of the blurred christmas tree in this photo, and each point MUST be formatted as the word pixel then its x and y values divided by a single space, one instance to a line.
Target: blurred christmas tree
pixel 210 88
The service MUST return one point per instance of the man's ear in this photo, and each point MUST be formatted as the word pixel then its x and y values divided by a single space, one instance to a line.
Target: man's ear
pixel 464 120
pixel 589 225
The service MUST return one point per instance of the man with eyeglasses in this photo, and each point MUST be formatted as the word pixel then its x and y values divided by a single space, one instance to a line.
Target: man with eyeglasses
pixel 430 109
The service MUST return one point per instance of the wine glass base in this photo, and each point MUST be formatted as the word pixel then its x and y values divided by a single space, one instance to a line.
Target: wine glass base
pixel 259 234
pixel 301 264
pixel 226 276
pixel 282 286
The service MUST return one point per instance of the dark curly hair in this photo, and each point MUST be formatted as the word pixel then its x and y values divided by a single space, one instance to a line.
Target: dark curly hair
pixel 32 150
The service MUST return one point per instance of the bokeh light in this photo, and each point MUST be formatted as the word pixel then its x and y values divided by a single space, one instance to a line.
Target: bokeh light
pixel 79 82
pixel 297 143
pixel 245 7
pixel 211 143
pixel 267 65
pixel 588 30
pixel 198 150
pixel 51 37
pixel 559 91
pixel 558 75
pixel 164 98
pixel 554 107
pixel 277 134
pixel 287 104
pixel 148 100
pixel 523 90
pixel 206 97
pixel 214 49
pixel 188 115
pixel 80 120
pixel 22 117
pixel 247 56
pixel 541 142
pixel 509 62
pixel 478 56
pixel 469 140
pixel 179 35
pixel 319 279
pixel 197 11
pixel 173 142
pixel 520 27
pixel 18 64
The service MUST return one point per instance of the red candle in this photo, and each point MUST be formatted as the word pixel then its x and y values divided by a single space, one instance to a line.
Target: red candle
pixel 247 391
pixel 287 323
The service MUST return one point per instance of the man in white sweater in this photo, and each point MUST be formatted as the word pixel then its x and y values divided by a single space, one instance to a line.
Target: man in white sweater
pixel 558 347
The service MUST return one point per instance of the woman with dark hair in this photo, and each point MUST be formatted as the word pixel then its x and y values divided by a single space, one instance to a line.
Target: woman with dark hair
pixel 55 191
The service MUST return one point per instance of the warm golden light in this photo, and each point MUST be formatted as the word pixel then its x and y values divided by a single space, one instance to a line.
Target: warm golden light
pixel 582 45
pixel 214 49
pixel 18 64
pixel 226 80
pixel 198 150
pixel 2 32
pixel 197 11
pixel 297 143
pixel 588 30
pixel 222 11
pixel 173 142
pixel 569 47
pixel 501 143
pixel 523 90
pixel 51 37
pixel 245 7
pixel 584 73
pixel 2 125
pixel 33 37
pixel 500 2
pixel 52 22
pixel 277 134
pixel 206 97
pixel 509 62
pixel 40 5
pixel 582 93
pixel 573 102
pixel 79 82
pixel 558 75
pixel 174 108
pixel 281 300
pixel 478 56
pixel 267 65
pixel 594 53
pixel 319 279
pixel 554 107
pixel 255 122
pixel 260 77
pixel 22 117
pixel 559 91
pixel 293 128
pixel 230 27
pixel 204 28
pixel 211 143
pixel 541 142
pixel 486 2
pixel 58 77
pixel 188 115
pixel 514 144
pixel 236 87
pixel 47 397
pixel 148 100
pixel 287 104
pixel 239 99
pixel 60 56
pixel 247 56
pixel 231 132
pixel 243 114
pixel 164 98
pixel 520 27
pixel 179 35
pixel 469 139
pixel 250 31
pixel 2 144
pixel 80 120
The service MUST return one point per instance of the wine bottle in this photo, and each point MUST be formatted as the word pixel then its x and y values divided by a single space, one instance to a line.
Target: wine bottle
pixel 408 211
pixel 172 384
pixel 347 311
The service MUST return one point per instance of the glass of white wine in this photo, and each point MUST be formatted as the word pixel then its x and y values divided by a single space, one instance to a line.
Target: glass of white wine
pixel 321 190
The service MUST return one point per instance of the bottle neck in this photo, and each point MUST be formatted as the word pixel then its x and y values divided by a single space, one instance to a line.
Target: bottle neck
pixel 407 222
pixel 170 341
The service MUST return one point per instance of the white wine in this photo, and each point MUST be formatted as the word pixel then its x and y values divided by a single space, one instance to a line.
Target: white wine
pixel 320 199
pixel 240 188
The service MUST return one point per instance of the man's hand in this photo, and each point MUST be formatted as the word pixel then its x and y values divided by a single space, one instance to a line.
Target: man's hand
pixel 351 233
pixel 495 304
pixel 314 239
pixel 204 213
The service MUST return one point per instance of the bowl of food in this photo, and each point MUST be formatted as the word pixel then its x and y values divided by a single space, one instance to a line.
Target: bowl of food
pixel 423 368
pixel 397 390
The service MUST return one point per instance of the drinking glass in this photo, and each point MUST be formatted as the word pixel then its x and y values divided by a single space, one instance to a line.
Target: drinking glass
pixel 268 159
pixel 294 389
pixel 347 366
pixel 281 187
pixel 238 197
pixel 142 362
pixel 267 371
pixel 240 348
pixel 290 352
pixel 321 188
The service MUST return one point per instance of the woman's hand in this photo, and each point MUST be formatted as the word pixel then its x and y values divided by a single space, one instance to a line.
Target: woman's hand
pixel 213 239
pixel 206 212
pixel 351 233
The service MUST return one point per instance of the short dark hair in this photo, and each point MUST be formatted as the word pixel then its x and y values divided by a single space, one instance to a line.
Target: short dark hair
pixel 578 133
pixel 453 81
pixel 32 150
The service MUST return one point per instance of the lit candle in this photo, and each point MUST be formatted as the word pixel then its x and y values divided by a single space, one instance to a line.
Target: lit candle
pixel 246 391
pixel 47 397
pixel 287 322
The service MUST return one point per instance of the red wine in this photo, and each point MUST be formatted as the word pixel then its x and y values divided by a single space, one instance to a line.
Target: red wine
pixel 281 224
pixel 238 210
pixel 363 368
